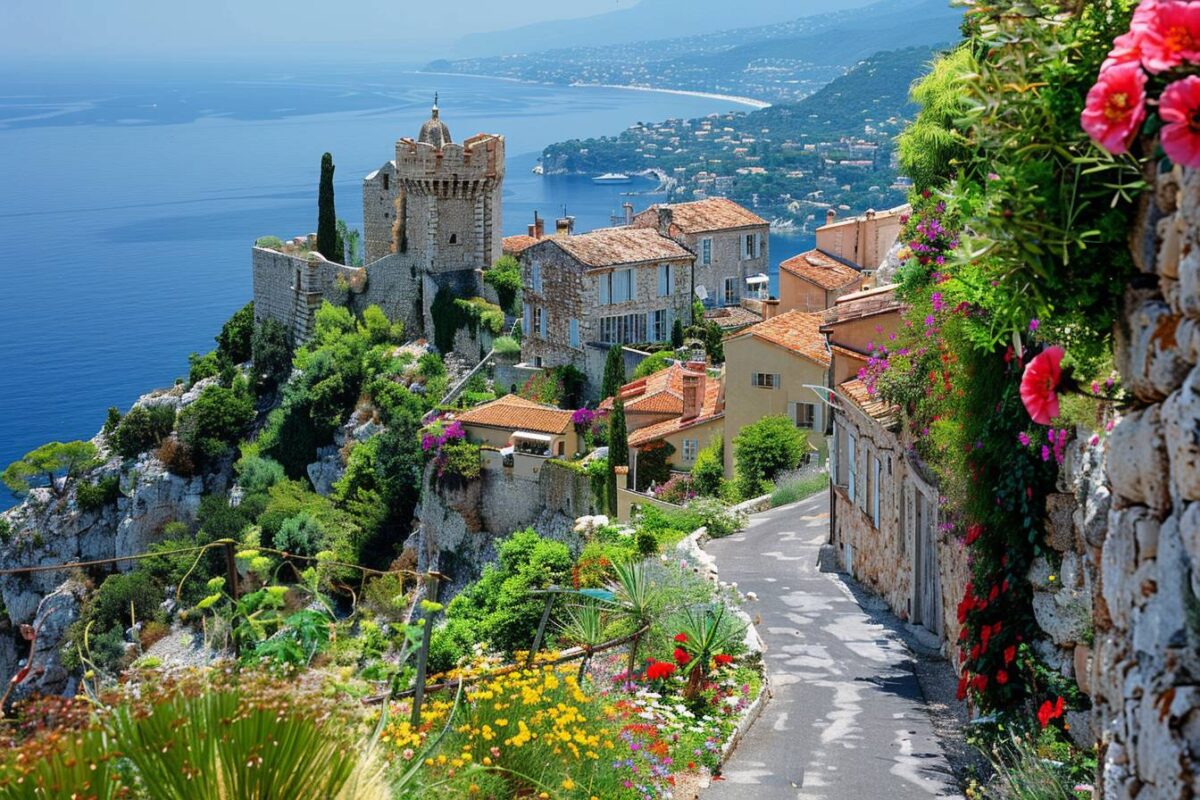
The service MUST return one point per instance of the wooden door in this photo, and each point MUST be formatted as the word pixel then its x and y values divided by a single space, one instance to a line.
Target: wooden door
pixel 927 600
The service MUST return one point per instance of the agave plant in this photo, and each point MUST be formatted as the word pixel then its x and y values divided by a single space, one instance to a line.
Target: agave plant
pixel 63 763
pixel 638 600
pixel 584 624
pixel 705 632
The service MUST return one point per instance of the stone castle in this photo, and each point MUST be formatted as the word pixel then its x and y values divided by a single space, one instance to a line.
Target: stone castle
pixel 431 220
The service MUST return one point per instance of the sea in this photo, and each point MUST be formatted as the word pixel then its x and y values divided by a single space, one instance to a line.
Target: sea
pixel 130 196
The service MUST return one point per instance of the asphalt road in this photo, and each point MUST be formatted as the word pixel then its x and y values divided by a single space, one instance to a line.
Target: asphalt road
pixel 848 720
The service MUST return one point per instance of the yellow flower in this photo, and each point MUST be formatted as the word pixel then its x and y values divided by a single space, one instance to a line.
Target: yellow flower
pixel 568 784
pixel 473 789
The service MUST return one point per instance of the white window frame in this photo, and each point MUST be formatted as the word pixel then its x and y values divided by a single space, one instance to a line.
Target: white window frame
pixel 573 332
pixel 623 328
pixel 535 274
pixel 729 296
pixel 691 448
pixel 658 325
pixel 706 251
pixel 765 380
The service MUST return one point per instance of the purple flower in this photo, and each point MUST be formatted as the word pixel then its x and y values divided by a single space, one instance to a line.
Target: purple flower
pixel 1034 325
pixel 1023 438
pixel 938 302
pixel 583 417
pixel 1045 453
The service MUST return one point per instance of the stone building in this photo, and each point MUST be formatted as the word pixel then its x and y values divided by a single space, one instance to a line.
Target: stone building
pixel 731 244
pixel 431 220
pixel 584 294
pixel 513 421
pixel 769 369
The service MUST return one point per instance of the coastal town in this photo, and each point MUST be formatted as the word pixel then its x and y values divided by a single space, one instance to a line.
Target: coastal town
pixel 462 506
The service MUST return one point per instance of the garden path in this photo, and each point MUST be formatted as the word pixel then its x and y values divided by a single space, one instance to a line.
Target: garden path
pixel 848 719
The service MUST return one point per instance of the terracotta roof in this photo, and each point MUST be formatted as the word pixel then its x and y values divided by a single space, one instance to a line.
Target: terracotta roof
pixel 513 245
pixel 849 352
pixel 713 408
pixel 658 393
pixel 712 214
pixel 796 331
pixel 890 289
pixel 610 247
pixel 821 269
pixel 518 414
pixel 856 391
pixel 732 318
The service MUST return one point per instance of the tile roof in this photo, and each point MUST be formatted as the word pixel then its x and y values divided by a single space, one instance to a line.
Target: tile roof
pixel 658 393
pixel 610 247
pixel 856 391
pixel 713 408
pixel 514 245
pixel 821 269
pixel 732 318
pixel 796 331
pixel 518 414
pixel 861 305
pixel 712 214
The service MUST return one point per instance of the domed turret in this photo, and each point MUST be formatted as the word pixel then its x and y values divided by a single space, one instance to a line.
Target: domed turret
pixel 434 131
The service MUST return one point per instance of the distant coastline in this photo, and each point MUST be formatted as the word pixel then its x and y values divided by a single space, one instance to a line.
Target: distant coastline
pixel 745 101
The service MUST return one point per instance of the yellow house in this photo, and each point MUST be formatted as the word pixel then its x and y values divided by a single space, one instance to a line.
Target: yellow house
pixel 768 368
pixel 524 424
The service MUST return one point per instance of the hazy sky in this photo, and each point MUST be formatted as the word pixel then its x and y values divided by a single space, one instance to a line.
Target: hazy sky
pixel 114 28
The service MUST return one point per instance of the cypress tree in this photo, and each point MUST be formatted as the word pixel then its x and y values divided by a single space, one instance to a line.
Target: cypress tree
pixel 329 242
pixel 677 334
pixel 618 450
pixel 614 372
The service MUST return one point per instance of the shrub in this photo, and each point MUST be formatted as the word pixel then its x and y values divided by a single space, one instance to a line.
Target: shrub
pixel 95 496
pixel 269 242
pixel 111 420
pixel 507 347
pixel 505 278
pixel 797 486
pixel 200 367
pixel 257 474
pixel 271 352
pixel 215 421
pixel 379 329
pixel 716 516
pixel 142 429
pixel 654 464
pixel 301 534
pixel 177 457
pixel 5 531
pixel 709 469
pixel 656 362
pixel 678 490
pixel 765 448
pixel 235 341
pixel 123 599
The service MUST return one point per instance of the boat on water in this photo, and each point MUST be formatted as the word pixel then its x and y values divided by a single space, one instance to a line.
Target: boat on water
pixel 612 177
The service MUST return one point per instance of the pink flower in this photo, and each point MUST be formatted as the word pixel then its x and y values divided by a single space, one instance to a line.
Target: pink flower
pixel 1179 108
pixel 1034 325
pixel 1166 33
pixel 1116 107
pixel 1126 49
pixel 1039 385
pixel 1023 438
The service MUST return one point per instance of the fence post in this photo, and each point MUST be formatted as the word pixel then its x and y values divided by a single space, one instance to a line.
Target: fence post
pixel 541 630
pixel 234 590
pixel 431 591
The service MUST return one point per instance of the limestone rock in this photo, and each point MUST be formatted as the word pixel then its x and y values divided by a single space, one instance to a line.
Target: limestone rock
pixel 1181 430
pixel 1063 616
pixel 1060 527
pixel 326 470
pixel 1137 444
pixel 1155 367
pixel 55 613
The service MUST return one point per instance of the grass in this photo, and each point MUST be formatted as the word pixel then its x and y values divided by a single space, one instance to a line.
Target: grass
pixel 798 486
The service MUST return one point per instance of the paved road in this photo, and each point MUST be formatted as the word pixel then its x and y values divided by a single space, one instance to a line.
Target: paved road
pixel 847 720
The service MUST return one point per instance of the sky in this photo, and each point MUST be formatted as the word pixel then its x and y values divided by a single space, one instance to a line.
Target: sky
pixel 88 29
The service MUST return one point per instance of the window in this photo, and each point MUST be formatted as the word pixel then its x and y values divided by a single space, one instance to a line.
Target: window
pixel 750 246
pixel 852 465
pixel 542 319
pixel 535 276
pixel 729 295
pixel 525 319
pixel 573 332
pixel 537 361
pixel 454 238
pixel 690 448
pixel 875 475
pixel 617 287
pixel 385 182
pixel 764 380
pixel 804 415
pixel 666 281
pixel 623 329
pixel 660 326
pixel 706 251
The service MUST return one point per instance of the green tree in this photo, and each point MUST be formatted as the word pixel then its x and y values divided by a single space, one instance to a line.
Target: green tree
pixel 143 428
pixel 714 342
pixel 764 449
pixel 329 243
pixel 271 351
pixel 216 420
pixel 677 334
pixel 709 468
pixel 51 462
pixel 614 371
pixel 649 366
pixel 618 450
pixel 235 341
pixel 352 238
pixel 505 278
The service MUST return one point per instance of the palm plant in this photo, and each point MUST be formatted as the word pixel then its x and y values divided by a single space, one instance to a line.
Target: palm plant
pixel 638 601
pixel 584 624
pixel 704 634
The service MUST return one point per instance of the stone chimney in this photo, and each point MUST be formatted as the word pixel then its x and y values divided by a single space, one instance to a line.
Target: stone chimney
pixel 694 377
pixel 830 216
pixel 628 208
pixel 666 217
pixel 564 226
pixel 538 229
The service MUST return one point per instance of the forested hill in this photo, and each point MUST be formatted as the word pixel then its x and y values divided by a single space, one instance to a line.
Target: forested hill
pixel 788 161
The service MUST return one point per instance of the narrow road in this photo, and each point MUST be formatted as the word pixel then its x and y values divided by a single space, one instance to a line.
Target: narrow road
pixel 848 720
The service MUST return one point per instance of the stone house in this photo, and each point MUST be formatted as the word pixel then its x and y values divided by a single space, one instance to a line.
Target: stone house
pixel 611 287
pixel 769 368
pixel 731 244
pixel 522 424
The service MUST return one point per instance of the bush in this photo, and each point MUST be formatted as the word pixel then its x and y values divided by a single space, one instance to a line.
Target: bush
pixel 507 347
pixel 764 449
pixel 709 469
pixel 301 534
pixel 269 242
pixel 257 474
pixel 177 457
pixel 122 595
pixel 5 531
pixel 716 516
pixel 656 362
pixel 379 329
pixel 505 278
pixel 200 367
pixel 215 421
pixel 95 496
pixel 142 429
pixel 235 341
pixel 797 486
pixel 271 352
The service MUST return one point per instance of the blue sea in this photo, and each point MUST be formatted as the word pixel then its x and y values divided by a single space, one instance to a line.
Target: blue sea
pixel 130 197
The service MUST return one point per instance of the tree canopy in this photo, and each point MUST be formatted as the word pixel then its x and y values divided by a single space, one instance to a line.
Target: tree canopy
pixel 51 462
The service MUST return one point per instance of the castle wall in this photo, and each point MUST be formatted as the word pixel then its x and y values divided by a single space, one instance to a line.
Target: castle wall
pixel 381 193
pixel 289 288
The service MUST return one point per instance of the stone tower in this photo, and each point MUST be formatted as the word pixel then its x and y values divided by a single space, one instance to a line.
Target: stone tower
pixel 437 205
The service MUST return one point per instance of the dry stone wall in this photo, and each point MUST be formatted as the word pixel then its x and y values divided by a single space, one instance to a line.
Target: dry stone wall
pixel 1146 673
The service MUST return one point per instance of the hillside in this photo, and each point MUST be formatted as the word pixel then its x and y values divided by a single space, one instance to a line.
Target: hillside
pixel 788 161
pixel 775 63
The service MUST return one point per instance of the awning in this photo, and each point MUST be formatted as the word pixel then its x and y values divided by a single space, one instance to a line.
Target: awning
pixel 533 437
pixel 757 279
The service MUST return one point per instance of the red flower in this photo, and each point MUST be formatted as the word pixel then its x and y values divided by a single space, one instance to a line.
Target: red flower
pixel 1010 653
pixel 1179 108
pixel 1126 48
pixel 681 637
pixel 1002 677
pixel 1050 711
pixel 980 682
pixel 723 660
pixel 993 594
pixel 974 532
pixel 1039 385
pixel 962 686
pixel 1166 33
pixel 984 636
pixel 681 656
pixel 1116 107
pixel 657 670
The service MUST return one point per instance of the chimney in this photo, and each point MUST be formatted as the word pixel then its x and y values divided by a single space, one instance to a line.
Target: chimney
pixel 830 216
pixel 628 206
pixel 539 226
pixel 665 219
pixel 563 226
pixel 694 377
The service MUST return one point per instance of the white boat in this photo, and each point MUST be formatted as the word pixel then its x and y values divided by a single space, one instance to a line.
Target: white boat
pixel 612 177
